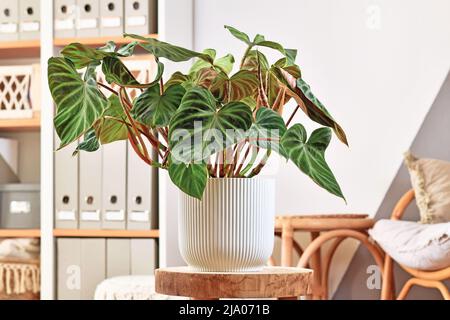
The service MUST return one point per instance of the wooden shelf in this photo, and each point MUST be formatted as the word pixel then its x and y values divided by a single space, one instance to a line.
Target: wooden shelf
pixel 20 44
pixel 20 233
pixel 78 233
pixel 28 124
pixel 97 41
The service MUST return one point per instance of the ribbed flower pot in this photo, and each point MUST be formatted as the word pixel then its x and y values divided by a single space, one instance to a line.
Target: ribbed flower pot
pixel 232 228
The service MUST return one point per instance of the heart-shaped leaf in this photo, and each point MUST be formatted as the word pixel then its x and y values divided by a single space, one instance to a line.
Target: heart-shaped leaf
pixel 82 55
pixel 224 64
pixel 199 128
pixel 79 103
pixel 116 72
pixel 89 143
pixel 267 130
pixel 309 155
pixel 155 110
pixel 112 126
pixel 190 178
pixel 239 86
pixel 166 50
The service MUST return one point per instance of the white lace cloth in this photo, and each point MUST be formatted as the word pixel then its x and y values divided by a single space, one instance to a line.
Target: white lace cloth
pixel 129 288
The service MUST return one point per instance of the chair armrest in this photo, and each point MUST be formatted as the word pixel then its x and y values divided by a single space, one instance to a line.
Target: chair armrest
pixel 402 204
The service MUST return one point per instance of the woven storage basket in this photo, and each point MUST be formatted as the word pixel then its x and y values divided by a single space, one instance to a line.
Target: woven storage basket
pixel 19 91
pixel 19 280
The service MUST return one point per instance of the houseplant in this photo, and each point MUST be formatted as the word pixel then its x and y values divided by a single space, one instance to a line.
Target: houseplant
pixel 211 129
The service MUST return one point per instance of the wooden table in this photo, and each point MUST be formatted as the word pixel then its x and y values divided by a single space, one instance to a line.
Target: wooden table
pixel 323 228
pixel 272 282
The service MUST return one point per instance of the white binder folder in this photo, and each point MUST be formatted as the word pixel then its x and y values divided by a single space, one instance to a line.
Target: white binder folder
pixel 114 185
pixel 64 13
pixel 111 17
pixel 88 16
pixel 29 19
pixel 66 187
pixel 143 256
pixel 117 257
pixel 140 16
pixel 9 20
pixel 90 189
pixel 141 193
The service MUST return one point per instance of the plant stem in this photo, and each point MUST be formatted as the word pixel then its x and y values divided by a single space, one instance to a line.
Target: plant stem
pixel 237 171
pixel 137 150
pixel 292 115
pixel 108 88
pixel 161 86
pixel 261 164
pixel 133 124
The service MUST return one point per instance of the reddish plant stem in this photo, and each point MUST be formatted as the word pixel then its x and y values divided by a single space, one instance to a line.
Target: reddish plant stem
pixel 108 88
pixel 292 115
pixel 137 150
pixel 133 124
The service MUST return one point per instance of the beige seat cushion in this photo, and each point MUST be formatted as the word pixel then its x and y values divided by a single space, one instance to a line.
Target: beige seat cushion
pixel 430 179
pixel 415 245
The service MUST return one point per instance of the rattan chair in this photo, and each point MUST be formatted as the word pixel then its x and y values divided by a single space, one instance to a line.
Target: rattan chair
pixel 428 279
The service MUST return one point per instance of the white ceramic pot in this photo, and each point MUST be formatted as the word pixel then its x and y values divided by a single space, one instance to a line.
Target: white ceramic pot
pixel 232 228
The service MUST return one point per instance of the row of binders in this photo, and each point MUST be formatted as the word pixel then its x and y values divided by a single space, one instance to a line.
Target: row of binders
pixel 82 264
pixel 20 19
pixel 93 18
pixel 111 188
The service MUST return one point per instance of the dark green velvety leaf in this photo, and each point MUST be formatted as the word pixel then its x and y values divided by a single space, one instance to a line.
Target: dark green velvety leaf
pixel 79 103
pixel 82 55
pixel 155 110
pixel 239 34
pixel 268 125
pixel 162 49
pixel 116 72
pixel 309 155
pixel 310 105
pixel 112 126
pixel 239 86
pixel 177 78
pixel 89 143
pixel 317 111
pixel 191 178
pixel 219 127
pixel 127 49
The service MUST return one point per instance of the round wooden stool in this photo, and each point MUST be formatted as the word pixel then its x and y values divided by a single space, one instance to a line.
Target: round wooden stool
pixel 323 228
pixel 271 282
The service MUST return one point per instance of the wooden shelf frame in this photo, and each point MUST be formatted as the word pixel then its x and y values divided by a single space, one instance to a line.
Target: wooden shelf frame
pixel 86 233
pixel 28 124
pixel 20 233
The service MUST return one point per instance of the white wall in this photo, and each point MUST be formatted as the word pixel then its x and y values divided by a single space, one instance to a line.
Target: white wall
pixel 378 77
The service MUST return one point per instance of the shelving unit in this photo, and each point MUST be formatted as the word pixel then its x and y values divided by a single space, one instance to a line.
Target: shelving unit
pixel 175 25
pixel 77 233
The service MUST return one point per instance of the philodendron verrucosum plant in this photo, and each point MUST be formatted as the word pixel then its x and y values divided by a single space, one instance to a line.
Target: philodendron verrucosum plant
pixel 206 123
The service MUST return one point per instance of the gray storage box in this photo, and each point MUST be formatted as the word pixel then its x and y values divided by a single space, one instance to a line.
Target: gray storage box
pixel 30 19
pixel 141 16
pixel 9 20
pixel 20 206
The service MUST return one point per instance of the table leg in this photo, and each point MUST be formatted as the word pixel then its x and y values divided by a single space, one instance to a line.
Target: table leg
pixel 287 242
pixel 316 265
